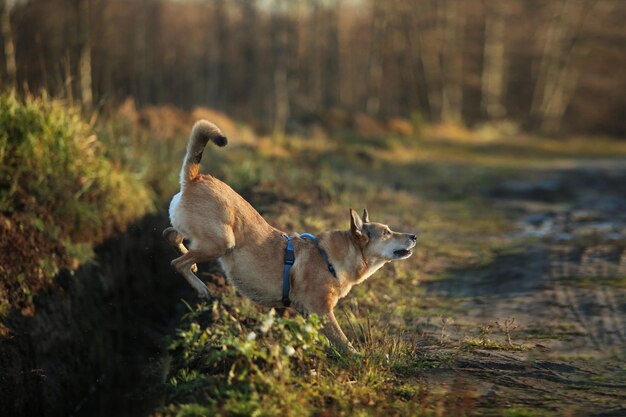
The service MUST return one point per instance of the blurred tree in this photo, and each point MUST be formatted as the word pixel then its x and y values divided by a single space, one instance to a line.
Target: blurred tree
pixel 375 68
pixel 9 46
pixel 452 60
pixel 280 34
pixel 550 66
pixel 560 61
pixel 494 63
pixel 84 41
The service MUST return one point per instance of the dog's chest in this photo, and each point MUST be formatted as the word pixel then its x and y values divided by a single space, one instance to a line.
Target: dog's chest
pixel 344 288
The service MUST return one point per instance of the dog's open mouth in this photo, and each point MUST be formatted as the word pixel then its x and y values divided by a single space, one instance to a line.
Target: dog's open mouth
pixel 402 253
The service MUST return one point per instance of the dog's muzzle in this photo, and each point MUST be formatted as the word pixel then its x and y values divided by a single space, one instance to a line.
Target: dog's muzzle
pixel 406 252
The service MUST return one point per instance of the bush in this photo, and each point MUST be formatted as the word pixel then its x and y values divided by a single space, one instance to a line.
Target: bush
pixel 228 359
pixel 53 167
pixel 59 195
pixel 260 369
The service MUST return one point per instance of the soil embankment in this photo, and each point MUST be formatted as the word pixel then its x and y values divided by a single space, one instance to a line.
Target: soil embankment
pixel 99 331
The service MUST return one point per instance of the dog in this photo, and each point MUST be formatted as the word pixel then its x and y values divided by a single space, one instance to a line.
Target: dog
pixel 220 225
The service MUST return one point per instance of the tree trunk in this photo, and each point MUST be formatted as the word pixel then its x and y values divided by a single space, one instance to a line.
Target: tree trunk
pixel 345 23
pixel 494 63
pixel 418 57
pixel 9 46
pixel 452 89
pixel 375 70
pixel 68 78
pixel 84 65
pixel 316 55
pixel 281 86
pixel 142 71
pixel 560 66
pixel 332 61
pixel 430 47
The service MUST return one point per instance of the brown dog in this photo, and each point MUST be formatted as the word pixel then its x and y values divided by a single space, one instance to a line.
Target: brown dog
pixel 222 226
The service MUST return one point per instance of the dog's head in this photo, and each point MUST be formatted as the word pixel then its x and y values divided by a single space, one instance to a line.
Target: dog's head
pixel 377 241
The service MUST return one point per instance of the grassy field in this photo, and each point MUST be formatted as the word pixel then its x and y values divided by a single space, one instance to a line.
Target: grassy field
pixel 439 334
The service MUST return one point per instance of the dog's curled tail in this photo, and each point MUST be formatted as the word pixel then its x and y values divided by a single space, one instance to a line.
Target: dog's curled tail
pixel 202 132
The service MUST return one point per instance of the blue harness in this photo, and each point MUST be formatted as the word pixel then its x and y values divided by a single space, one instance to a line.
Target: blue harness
pixel 290 258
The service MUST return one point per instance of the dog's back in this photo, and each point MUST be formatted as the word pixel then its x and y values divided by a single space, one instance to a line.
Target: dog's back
pixel 216 221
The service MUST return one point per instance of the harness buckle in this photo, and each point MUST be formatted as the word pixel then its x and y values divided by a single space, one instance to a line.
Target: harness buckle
pixel 290 258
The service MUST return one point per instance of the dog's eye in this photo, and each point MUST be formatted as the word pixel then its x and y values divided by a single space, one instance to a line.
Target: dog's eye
pixel 386 232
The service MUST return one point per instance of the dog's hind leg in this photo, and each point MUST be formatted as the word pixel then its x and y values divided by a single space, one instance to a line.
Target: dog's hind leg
pixel 184 264
pixel 176 240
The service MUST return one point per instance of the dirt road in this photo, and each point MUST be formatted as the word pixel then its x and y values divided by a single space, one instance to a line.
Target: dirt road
pixel 564 284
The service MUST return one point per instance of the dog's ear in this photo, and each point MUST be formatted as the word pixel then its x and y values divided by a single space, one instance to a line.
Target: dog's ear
pixel 356 224
pixel 356 227
pixel 366 217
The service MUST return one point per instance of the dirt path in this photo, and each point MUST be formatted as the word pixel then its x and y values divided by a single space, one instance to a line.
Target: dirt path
pixel 565 286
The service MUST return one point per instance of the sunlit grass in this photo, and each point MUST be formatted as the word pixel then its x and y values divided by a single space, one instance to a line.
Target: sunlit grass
pixel 243 361
pixel 60 194
pixel 54 167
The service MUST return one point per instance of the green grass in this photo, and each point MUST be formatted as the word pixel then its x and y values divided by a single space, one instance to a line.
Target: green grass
pixel 525 412
pixel 487 343
pixel 242 362
pixel 60 194
pixel 238 369
pixel 53 166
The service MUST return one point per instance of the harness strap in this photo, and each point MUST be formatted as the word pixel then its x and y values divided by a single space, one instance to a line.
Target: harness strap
pixel 290 259
pixel 330 267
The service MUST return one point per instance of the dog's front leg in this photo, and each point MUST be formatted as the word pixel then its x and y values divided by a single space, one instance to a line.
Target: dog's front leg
pixel 334 334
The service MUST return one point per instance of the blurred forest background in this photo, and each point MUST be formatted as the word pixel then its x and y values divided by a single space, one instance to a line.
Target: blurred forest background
pixel 550 67
pixel 494 128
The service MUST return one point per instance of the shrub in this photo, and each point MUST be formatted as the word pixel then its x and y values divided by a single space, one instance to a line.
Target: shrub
pixel 260 369
pixel 59 195
pixel 53 167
